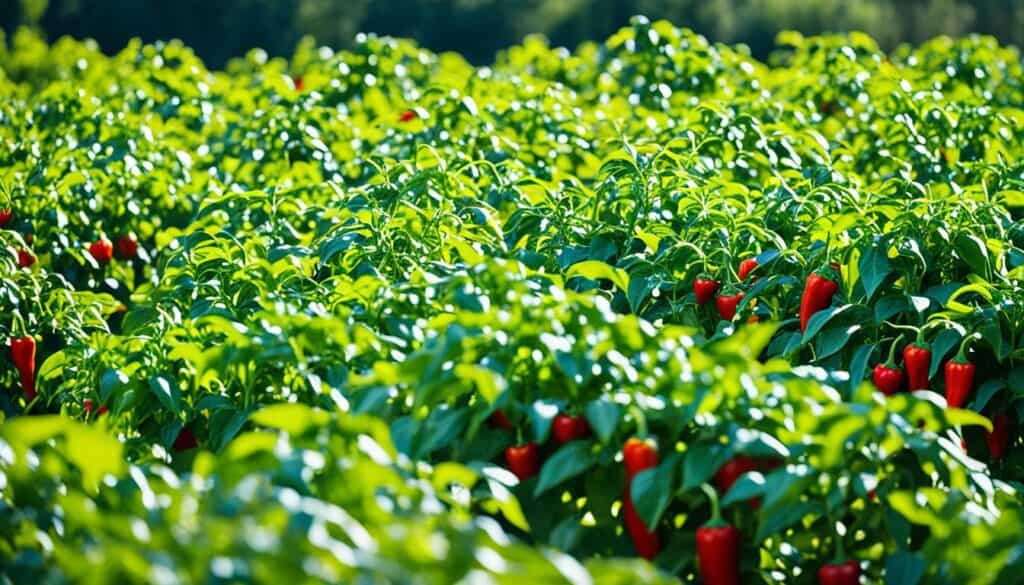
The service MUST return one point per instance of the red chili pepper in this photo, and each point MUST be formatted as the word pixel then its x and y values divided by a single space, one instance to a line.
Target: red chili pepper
pixel 917 357
pixel 718 548
pixel 959 380
pixel 821 286
pixel 731 471
pixel 185 440
pixel 888 377
pixel 102 250
pixel 500 420
pixel 567 428
pixel 638 455
pixel 524 460
pixel 847 573
pixel 88 406
pixel 727 305
pixel 408 116
pixel 127 247
pixel 5 217
pixel 999 438
pixel 23 354
pixel 297 80
pixel 25 258
pixel 746 267
pixel 705 288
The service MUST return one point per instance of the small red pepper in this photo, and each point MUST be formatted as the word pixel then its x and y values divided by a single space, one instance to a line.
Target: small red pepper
pixel 523 460
pixel 746 267
pixel 408 116
pixel 959 378
pixel 917 357
pixel 88 406
pixel 127 247
pixel 567 428
pixel 847 573
pixel 638 455
pixel 297 81
pixel 999 439
pixel 500 420
pixel 185 440
pixel 704 287
pixel 727 305
pixel 888 377
pixel 718 548
pixel 5 217
pixel 23 354
pixel 25 258
pixel 821 286
pixel 102 250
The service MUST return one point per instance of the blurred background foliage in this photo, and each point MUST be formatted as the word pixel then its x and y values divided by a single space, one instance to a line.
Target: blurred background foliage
pixel 221 29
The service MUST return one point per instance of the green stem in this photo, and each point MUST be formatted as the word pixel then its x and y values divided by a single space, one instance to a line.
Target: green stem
pixel 891 362
pixel 716 511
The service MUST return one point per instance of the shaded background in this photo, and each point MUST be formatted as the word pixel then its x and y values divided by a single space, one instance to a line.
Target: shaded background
pixel 221 29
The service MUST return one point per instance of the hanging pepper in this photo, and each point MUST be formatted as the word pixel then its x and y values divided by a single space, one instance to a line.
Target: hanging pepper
pixel 704 287
pixel 917 357
pixel 567 428
pixel 500 420
pixel 959 378
pixel 298 83
pixel 408 116
pixel 5 217
pixel 102 250
pixel 23 354
pixel 847 573
pixel 127 247
pixel 718 547
pixel 88 406
pixel 999 438
pixel 821 286
pixel 638 455
pixel 523 460
pixel 746 267
pixel 727 304
pixel 25 258
pixel 888 377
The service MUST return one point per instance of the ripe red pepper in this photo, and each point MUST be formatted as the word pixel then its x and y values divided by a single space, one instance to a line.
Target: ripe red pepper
pixel 567 428
pixel 727 305
pixel 88 406
pixel 524 460
pixel 127 247
pixel 704 287
pixel 959 381
pixel 408 116
pixel 500 420
pixel 23 354
pixel 638 455
pixel 821 286
pixel 999 438
pixel 297 80
pixel 102 250
pixel 917 357
pixel 732 470
pixel 888 377
pixel 185 440
pixel 847 573
pixel 746 267
pixel 5 217
pixel 25 258
pixel 718 548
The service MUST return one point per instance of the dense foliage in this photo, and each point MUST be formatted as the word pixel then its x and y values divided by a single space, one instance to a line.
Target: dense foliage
pixel 381 316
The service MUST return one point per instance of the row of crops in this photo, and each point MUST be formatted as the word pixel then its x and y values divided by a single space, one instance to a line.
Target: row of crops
pixel 646 311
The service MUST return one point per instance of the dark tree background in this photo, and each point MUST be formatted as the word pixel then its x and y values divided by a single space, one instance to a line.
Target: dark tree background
pixel 221 29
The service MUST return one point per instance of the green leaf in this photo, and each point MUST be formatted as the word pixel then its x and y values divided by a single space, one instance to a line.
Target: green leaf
pixel 294 419
pixel 775 520
pixel 701 461
pixel 569 461
pixel 859 366
pixel 874 268
pixel 603 416
pixel 652 489
pixel 166 391
pixel 973 252
pixel 904 568
pixel 597 270
pixel 945 341
pixel 748 486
